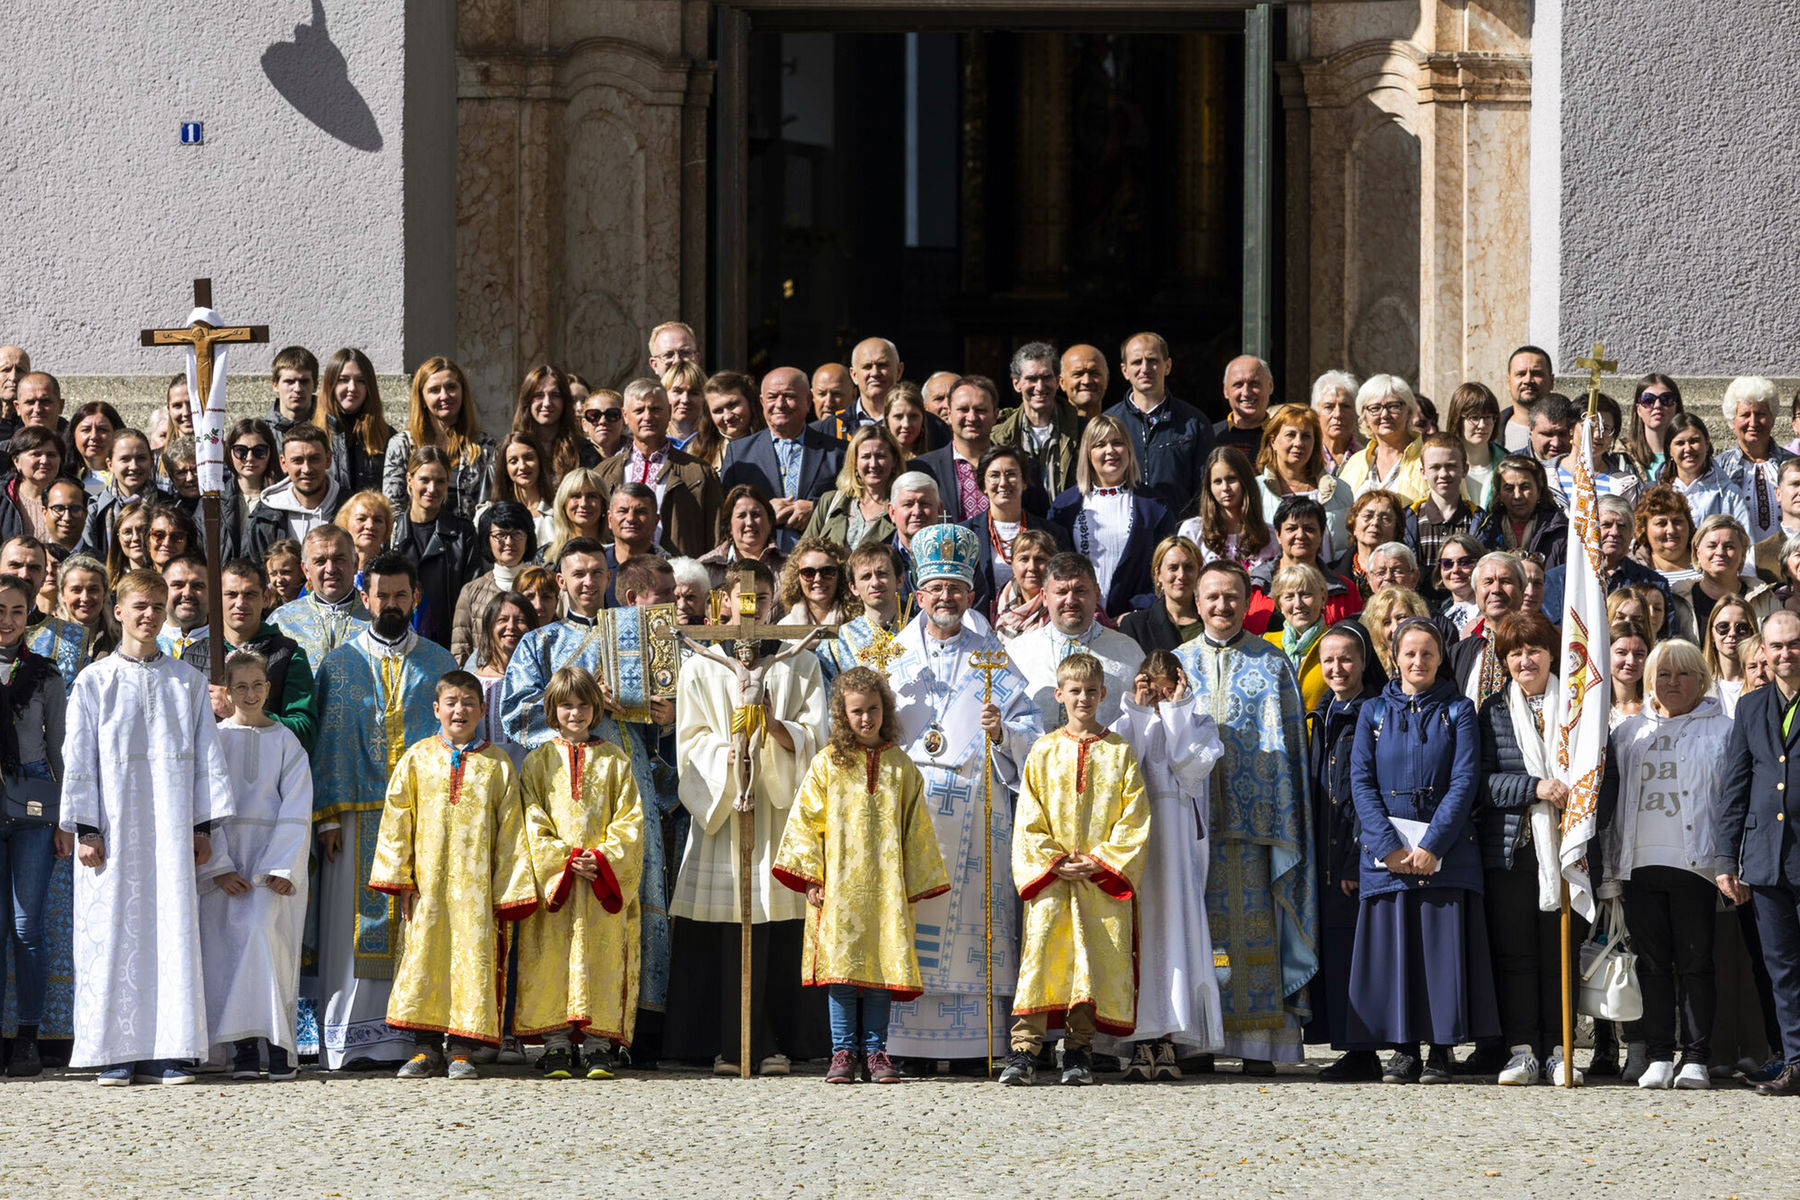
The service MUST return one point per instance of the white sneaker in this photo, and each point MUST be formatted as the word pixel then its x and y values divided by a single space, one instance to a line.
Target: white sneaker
pixel 1637 1057
pixel 1693 1077
pixel 775 1064
pixel 1657 1075
pixel 1553 1070
pixel 1521 1070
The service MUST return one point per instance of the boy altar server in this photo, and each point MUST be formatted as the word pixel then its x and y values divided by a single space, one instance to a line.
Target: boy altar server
pixel 452 848
pixel 1077 852
pixel 144 781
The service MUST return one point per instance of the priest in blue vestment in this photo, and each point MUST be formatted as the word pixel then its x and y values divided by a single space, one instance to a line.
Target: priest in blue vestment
pixel 1261 902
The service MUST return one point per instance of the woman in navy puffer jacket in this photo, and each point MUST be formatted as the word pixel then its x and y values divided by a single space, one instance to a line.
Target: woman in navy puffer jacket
pixel 1421 971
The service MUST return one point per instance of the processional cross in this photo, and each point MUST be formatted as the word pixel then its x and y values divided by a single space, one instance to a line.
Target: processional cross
pixel 1596 364
pixel 201 335
pixel 749 728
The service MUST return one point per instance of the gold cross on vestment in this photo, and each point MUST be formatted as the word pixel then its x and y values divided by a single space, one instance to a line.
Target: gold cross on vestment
pixel 1596 364
pixel 883 649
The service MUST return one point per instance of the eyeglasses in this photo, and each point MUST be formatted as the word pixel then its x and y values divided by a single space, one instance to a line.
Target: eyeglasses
pixel 817 572
pixel 1741 628
pixel 1391 408
pixel 66 510
pixel 167 535
pixel 505 535
pixel 249 452
pixel 1658 400
pixel 593 416
pixel 1463 563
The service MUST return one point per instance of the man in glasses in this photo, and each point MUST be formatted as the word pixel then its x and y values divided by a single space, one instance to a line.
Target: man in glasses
pixel 1617 568
pixel 299 504
pixel 1754 464
pixel 1444 509
pixel 603 422
pixel 670 343
pixel 65 513
pixel 1529 377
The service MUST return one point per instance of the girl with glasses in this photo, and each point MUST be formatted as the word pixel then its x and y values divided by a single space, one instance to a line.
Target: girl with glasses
pixel 1456 577
pixel 1655 403
pixel 1473 418
pixel 250 462
pixel 1731 625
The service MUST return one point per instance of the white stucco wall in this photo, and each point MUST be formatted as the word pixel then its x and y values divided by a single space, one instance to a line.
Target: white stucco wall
pixel 1679 161
pixel 301 223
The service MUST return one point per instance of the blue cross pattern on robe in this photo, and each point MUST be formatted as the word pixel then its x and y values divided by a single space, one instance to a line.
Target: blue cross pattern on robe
pixel 952 794
pixel 959 1010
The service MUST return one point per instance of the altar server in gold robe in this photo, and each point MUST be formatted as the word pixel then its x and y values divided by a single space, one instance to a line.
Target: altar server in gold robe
pixel 859 842
pixel 452 848
pixel 578 955
pixel 1078 852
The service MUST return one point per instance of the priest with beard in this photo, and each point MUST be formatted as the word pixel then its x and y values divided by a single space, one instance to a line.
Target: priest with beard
pixel 375 695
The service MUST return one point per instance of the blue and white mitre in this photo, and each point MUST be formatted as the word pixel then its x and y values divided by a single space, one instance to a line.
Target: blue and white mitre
pixel 944 552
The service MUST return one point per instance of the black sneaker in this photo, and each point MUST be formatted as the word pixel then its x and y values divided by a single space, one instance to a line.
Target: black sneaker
pixel 1402 1067
pixel 25 1062
pixel 281 1067
pixel 558 1063
pixel 1356 1066
pixel 1021 1069
pixel 1437 1066
pixel 1487 1059
pixel 1078 1067
pixel 246 1059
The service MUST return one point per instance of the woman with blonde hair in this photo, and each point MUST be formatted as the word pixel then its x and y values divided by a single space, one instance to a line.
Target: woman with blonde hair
pixel 685 385
pixel 1299 595
pixel 1659 858
pixel 907 419
pixel 368 518
pixel 1109 518
pixel 815 583
pixel 1174 620
pixel 1387 408
pixel 1383 614
pixel 856 510
pixel 580 510
pixel 1732 622
pixel 359 432
pixel 1292 463
pixel 441 413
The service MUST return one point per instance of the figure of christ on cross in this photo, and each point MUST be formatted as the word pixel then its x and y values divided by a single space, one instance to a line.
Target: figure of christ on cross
pixel 202 336
pixel 753 720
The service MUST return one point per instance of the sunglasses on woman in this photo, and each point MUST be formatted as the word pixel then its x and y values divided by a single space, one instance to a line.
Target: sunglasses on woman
pixel 1741 628
pixel 249 451
pixel 811 573
pixel 1464 563
pixel 594 416
pixel 1657 400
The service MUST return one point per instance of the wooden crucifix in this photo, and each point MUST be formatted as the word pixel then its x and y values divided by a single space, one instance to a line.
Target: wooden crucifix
pixel 748 730
pixel 1596 365
pixel 200 337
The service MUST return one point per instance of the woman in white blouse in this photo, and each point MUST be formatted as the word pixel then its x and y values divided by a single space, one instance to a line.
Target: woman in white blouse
pixel 1109 519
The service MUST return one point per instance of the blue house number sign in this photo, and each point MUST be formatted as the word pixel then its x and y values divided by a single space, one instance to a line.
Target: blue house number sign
pixel 193 133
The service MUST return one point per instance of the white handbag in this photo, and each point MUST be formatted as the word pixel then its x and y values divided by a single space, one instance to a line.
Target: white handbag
pixel 1609 982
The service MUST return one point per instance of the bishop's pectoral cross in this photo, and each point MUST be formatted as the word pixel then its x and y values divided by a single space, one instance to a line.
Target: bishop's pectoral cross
pixel 209 439
pixel 749 727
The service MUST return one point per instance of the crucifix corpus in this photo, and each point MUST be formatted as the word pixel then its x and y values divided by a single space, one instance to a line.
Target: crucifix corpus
pixel 206 337
pixel 749 728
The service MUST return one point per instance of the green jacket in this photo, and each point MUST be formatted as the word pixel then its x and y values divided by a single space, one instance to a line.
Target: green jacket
pixel 1056 468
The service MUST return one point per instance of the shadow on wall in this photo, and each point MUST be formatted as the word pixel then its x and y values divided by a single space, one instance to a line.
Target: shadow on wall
pixel 311 74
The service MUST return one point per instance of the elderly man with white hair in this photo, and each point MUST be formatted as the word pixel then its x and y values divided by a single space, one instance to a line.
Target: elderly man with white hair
pixel 1753 465
pixel 1617 568
pixel 1499 589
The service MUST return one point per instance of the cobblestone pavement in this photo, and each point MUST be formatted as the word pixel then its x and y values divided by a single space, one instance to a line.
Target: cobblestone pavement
pixel 683 1133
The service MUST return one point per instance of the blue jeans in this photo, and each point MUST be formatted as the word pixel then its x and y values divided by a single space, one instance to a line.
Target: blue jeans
pixel 26 851
pixel 849 1032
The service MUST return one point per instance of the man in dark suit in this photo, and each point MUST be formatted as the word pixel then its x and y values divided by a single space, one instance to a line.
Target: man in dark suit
pixel 1499 589
pixel 1172 438
pixel 974 407
pixel 687 493
pixel 1756 857
pixel 787 462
